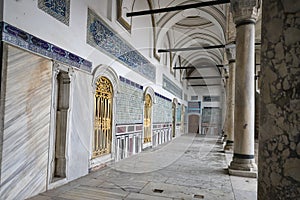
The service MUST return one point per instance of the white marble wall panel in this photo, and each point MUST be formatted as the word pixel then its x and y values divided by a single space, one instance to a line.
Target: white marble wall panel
pixel 81 126
pixel 26 125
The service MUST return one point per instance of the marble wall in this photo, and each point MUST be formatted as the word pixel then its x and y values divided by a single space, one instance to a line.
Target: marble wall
pixel 26 107
pixel 279 138
pixel 80 128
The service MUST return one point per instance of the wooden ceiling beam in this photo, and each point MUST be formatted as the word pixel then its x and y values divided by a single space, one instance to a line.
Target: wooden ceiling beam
pixel 200 67
pixel 176 8
pixel 204 85
pixel 192 48
pixel 202 77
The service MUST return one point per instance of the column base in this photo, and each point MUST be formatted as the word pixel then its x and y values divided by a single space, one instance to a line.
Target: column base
pixel 243 167
pixel 224 138
pixel 220 140
pixel 228 146
pixel 248 174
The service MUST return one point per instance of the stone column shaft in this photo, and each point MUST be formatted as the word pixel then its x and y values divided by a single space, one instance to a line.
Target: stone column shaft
pixel 230 105
pixel 244 91
pixel 226 110
pixel 245 15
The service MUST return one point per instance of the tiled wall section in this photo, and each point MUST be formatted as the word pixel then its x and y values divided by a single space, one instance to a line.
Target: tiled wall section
pixel 105 39
pixel 25 144
pixel 211 121
pixel 59 9
pixel 129 103
pixel 172 87
pixel 279 136
pixel 162 109
pixel 22 39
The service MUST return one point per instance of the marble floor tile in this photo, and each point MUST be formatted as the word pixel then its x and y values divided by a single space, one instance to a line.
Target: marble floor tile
pixel 198 172
pixel 245 195
pixel 138 196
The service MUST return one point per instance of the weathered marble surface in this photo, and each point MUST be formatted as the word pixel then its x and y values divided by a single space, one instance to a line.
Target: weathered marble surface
pixel 245 14
pixel 26 125
pixel 81 125
pixel 279 141
pixel 230 52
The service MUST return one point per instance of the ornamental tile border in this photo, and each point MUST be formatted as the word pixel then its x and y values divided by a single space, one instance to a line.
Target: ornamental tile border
pixel 171 87
pixel 59 9
pixel 106 40
pixel 125 80
pixel 163 97
pixel 24 40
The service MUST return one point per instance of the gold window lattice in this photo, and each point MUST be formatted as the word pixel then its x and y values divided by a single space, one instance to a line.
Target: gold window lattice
pixel 103 117
pixel 147 119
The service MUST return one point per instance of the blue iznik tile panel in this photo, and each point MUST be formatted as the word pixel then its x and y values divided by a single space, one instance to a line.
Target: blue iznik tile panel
pixel 24 40
pixel 103 38
pixel 171 87
pixel 129 103
pixel 59 9
pixel 162 109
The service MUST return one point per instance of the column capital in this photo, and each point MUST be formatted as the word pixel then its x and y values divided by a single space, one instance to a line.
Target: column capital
pixel 245 11
pixel 230 52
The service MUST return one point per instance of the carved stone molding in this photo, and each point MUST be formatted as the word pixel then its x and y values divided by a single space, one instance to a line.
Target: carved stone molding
pixel 231 53
pixel 245 11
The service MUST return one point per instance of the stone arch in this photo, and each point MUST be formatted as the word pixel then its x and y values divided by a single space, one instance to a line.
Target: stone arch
pixel 175 102
pixel 108 72
pixel 150 5
pixel 149 90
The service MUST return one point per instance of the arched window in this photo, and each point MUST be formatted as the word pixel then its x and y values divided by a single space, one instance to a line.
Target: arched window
pixel 103 117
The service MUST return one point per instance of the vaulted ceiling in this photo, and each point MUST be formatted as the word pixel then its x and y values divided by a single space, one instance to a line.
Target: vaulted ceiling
pixel 195 27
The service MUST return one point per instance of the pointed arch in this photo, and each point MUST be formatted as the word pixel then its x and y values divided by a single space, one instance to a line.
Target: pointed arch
pixel 110 73
pixel 149 90
pixel 105 84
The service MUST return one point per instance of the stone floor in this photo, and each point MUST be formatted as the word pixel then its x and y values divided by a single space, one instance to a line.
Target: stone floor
pixel 189 167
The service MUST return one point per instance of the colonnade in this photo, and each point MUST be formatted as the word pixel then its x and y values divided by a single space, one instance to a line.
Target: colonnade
pixel 241 89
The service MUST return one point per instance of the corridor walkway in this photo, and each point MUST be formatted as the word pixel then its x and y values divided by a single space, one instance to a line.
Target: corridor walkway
pixel 189 167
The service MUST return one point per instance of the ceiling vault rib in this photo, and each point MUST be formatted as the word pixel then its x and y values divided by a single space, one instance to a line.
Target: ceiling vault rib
pixel 182 7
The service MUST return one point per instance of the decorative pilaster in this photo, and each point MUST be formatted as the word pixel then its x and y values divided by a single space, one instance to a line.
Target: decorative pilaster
pixel 245 13
pixel 230 51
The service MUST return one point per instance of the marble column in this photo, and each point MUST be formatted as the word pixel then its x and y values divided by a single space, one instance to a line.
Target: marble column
pixel 230 104
pixel 245 13
pixel 279 136
pixel 225 127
